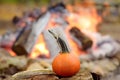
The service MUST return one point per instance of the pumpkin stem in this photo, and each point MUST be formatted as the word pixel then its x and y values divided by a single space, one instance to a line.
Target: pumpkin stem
pixel 61 43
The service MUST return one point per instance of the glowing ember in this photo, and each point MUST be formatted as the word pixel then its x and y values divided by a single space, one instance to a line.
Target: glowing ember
pixel 11 52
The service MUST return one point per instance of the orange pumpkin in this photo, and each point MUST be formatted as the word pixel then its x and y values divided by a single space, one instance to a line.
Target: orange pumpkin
pixel 65 63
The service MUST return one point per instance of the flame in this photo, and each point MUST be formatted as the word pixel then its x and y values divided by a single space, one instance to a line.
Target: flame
pixel 84 21
pixel 82 16
pixel 40 49
pixel 11 52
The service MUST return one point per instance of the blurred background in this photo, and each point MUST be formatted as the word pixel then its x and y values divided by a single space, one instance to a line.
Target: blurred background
pixel 11 8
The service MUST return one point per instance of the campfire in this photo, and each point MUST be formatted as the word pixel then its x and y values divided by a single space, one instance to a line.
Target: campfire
pixel 40 49
pixel 86 22
pixel 79 24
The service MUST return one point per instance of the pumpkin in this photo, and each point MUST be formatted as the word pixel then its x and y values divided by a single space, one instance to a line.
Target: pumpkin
pixel 65 63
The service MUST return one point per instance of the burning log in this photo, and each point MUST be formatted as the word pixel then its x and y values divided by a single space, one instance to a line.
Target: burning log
pixel 83 41
pixel 28 36
pixel 19 44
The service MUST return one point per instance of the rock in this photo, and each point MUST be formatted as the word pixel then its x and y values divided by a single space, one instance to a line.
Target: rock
pixel 81 75
pixel 107 65
pixel 35 66
pixel 45 64
pixel 19 61
pixel 115 61
pixel 102 66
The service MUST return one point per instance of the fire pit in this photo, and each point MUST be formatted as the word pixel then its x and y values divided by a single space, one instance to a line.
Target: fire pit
pixel 32 51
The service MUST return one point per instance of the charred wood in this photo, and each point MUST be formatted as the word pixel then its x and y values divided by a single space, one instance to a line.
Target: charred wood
pixel 19 44
pixel 83 41
pixel 29 35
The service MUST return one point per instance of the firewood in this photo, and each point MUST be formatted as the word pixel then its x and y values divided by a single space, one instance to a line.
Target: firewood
pixel 28 37
pixel 49 39
pixel 19 44
pixel 83 41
